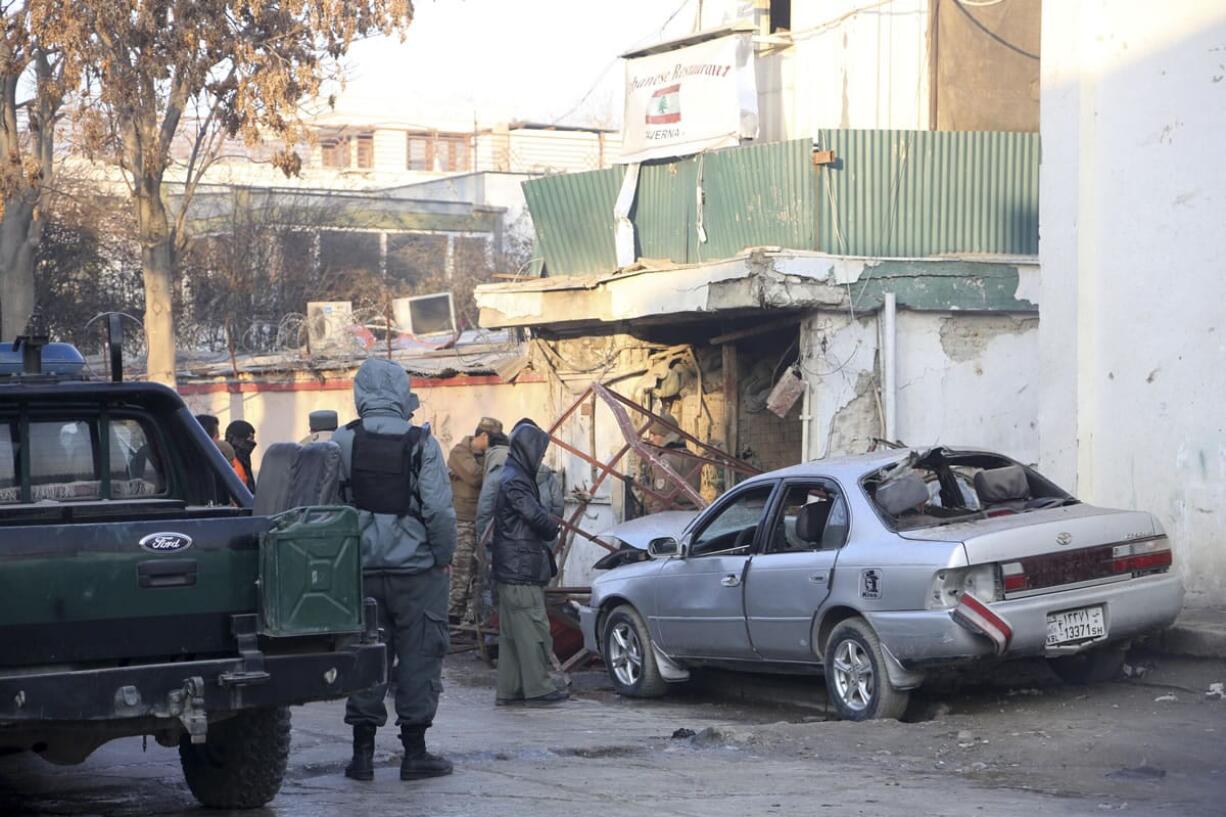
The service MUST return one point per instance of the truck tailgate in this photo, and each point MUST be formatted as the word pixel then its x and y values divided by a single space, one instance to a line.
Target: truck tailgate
pixel 77 593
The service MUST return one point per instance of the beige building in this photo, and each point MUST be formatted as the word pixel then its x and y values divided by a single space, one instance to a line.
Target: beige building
pixel 360 153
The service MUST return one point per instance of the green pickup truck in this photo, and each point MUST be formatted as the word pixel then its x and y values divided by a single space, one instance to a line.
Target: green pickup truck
pixel 141 595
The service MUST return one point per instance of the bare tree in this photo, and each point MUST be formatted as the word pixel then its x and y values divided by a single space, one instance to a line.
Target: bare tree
pixel 27 155
pixel 260 255
pixel 246 64
pixel 88 262
pixel 250 266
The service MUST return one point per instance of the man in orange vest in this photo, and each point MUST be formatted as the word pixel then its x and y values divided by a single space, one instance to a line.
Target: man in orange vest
pixel 240 434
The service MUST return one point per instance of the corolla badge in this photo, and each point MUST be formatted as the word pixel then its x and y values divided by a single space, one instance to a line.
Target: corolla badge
pixel 1064 538
pixel 166 542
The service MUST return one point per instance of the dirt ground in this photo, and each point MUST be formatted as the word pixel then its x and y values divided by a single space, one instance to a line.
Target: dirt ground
pixel 1013 742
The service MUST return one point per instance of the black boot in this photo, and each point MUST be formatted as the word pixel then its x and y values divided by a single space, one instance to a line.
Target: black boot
pixel 417 762
pixel 362 767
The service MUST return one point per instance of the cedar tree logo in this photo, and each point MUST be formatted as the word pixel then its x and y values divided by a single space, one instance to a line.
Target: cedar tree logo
pixel 665 106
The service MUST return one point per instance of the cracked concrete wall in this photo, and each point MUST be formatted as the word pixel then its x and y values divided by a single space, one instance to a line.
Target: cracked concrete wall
pixel 764 279
pixel 839 357
pixel 971 380
pixel 962 337
pixel 853 427
pixel 963 379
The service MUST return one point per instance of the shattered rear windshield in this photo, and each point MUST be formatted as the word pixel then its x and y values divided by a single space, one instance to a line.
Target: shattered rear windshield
pixel 939 487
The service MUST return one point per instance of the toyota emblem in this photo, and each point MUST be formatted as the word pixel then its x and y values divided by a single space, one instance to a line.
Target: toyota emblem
pixel 1064 538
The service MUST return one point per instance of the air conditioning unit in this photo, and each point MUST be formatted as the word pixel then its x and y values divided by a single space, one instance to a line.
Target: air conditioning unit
pixel 425 314
pixel 328 324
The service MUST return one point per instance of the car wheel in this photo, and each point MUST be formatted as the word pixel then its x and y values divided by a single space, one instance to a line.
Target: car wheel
pixel 856 676
pixel 1090 667
pixel 242 763
pixel 629 656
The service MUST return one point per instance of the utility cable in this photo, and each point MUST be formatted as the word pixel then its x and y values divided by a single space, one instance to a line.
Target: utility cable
pixel 962 7
pixel 604 71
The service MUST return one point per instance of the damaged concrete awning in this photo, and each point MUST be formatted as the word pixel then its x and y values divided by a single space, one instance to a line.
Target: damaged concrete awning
pixel 756 280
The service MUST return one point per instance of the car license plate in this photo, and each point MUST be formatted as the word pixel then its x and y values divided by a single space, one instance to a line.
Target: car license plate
pixel 1073 626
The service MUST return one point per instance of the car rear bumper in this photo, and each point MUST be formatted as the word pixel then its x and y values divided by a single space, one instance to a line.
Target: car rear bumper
pixel 186 689
pixel 1131 609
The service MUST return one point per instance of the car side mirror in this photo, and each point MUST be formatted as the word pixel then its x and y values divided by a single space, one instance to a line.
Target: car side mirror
pixel 664 546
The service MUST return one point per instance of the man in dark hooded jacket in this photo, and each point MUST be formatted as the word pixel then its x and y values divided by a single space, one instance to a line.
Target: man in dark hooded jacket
pixel 396 476
pixel 523 565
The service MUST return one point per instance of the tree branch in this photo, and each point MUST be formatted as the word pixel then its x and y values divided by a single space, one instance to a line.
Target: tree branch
pixel 176 102
pixel 208 120
pixel 49 100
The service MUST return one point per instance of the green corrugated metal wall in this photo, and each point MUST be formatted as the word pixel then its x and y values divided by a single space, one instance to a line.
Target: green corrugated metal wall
pixel 890 194
pixel 763 195
pixel 921 193
pixel 573 217
pixel 755 196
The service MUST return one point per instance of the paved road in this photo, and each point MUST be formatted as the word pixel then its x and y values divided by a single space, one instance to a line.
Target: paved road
pixel 1013 744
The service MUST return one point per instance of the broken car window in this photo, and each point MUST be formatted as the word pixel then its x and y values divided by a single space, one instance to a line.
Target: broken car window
pixel 941 486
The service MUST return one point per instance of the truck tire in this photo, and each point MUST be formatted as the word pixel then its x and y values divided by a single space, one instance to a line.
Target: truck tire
pixel 243 762
pixel 856 675
pixel 629 656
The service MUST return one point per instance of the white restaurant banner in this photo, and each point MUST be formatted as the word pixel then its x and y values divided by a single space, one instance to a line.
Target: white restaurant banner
pixel 690 99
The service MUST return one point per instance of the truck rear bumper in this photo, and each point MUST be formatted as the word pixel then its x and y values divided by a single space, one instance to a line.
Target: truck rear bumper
pixel 187 690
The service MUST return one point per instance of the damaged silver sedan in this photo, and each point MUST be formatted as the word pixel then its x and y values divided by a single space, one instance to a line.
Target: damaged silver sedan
pixel 877 569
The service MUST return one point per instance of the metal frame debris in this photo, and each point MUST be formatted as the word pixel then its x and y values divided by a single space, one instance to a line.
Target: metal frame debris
pixel 621 406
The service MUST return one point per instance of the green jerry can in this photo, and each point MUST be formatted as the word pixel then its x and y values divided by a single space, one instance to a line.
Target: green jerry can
pixel 311 573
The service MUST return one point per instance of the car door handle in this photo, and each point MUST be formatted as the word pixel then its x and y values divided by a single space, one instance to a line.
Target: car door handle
pixel 731 580
pixel 818 578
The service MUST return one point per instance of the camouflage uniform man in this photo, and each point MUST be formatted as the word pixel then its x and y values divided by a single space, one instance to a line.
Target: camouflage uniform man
pixel 662 436
pixel 395 475
pixel 466 466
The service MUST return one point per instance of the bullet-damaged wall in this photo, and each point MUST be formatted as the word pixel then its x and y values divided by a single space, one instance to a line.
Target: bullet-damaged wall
pixel 963 379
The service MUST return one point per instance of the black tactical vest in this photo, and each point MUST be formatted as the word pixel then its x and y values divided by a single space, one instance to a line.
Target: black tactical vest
pixel 383 469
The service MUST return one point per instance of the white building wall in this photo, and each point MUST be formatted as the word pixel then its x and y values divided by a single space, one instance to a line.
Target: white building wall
pixel 969 380
pixel 849 65
pixel 280 411
pixel 857 65
pixel 1133 337
pixel 964 379
pixel 545 151
pixel 844 64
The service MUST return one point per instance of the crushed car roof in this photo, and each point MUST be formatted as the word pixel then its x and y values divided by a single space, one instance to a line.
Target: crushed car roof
pixel 853 466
